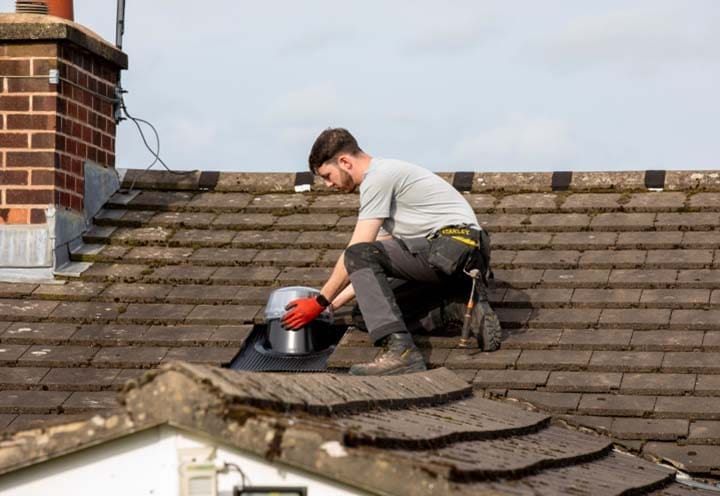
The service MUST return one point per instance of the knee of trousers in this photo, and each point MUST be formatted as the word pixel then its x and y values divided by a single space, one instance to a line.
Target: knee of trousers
pixel 362 256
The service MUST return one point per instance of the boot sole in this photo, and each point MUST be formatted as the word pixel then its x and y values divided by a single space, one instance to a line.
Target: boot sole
pixel 409 369
pixel 491 333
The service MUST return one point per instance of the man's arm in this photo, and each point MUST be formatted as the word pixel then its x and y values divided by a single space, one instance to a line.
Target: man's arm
pixel 348 293
pixel 366 231
pixel 304 310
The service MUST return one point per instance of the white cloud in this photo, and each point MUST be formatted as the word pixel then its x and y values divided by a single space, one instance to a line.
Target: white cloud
pixel 523 143
pixel 639 40
pixel 450 36
pixel 310 103
pixel 193 133
pixel 315 40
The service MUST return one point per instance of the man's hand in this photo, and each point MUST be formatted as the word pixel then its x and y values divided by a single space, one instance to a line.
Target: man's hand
pixel 301 312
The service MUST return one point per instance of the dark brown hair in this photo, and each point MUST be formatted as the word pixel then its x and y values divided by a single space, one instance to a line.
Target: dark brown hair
pixel 331 143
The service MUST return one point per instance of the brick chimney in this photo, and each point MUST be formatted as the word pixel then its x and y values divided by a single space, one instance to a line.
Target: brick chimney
pixel 57 138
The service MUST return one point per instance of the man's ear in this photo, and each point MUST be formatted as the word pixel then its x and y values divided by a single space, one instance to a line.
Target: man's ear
pixel 345 162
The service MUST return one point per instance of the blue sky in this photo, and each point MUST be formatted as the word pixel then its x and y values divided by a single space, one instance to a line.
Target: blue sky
pixel 458 85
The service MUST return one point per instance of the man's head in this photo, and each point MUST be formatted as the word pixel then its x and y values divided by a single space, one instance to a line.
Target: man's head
pixel 337 158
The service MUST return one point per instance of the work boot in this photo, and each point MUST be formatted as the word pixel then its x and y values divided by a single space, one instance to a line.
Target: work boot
pixel 484 322
pixel 400 356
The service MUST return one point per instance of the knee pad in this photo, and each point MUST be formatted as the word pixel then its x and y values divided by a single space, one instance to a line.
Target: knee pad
pixel 360 255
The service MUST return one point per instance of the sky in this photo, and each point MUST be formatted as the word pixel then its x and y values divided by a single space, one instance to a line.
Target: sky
pixel 476 85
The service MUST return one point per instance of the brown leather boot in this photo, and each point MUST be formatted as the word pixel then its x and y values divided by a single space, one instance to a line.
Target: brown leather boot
pixel 400 356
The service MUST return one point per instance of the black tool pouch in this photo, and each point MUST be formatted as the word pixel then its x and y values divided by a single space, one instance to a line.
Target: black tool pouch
pixel 448 255
pixel 416 245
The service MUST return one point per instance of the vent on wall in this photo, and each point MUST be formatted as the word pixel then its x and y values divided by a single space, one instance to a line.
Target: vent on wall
pixel 31 7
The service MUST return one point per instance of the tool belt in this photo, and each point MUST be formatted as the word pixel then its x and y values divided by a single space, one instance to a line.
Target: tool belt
pixel 460 248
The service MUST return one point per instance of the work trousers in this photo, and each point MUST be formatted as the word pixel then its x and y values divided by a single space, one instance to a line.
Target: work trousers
pixel 397 288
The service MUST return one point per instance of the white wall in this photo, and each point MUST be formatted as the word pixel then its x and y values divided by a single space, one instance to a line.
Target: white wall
pixel 146 464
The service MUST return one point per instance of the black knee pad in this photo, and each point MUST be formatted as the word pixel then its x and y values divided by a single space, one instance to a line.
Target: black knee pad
pixel 362 255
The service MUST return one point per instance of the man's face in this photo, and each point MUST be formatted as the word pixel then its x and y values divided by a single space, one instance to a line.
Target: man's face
pixel 335 176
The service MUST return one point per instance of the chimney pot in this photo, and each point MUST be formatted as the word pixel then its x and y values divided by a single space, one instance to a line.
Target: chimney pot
pixel 61 8
pixel 31 7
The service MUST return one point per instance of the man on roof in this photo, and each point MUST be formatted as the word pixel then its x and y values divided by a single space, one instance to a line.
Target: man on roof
pixel 407 264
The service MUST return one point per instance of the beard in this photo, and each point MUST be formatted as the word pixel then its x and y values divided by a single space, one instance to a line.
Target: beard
pixel 347 183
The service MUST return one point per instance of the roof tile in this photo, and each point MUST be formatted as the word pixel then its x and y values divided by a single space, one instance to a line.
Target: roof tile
pixel 612 259
pixel 26 309
pixel 83 401
pixel 583 381
pixel 551 402
pixel 595 202
pixel 129 357
pixel 12 401
pixel 583 240
pixel 80 379
pixel 219 201
pixel 626 361
pixel 666 340
pixel 664 430
pixel 607 298
pixel 693 458
pixel 695 319
pixel 596 339
pixel 704 432
pixel 38 332
pixel 687 407
pixel 146 313
pixel 9 353
pixel 211 355
pixel 681 361
pixel 17 377
pixel 86 312
pixel 616 404
pixel 515 379
pixel 553 359
pixel 623 222
pixel 665 384
pixel 674 298
pixel 649 240
pixel 202 237
pixel 500 359
pixel 111 334
pixel 57 356
pixel 635 318
pixel 655 202
pixel 223 314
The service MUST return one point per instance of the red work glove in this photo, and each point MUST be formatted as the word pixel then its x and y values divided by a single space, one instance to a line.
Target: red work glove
pixel 301 312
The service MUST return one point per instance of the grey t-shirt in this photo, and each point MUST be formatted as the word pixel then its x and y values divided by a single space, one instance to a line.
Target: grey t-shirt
pixel 413 201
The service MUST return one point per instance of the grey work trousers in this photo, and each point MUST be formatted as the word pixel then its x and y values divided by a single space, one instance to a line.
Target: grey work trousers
pixel 384 272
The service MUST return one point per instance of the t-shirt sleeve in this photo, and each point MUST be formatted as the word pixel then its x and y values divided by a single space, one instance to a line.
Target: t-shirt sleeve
pixel 375 199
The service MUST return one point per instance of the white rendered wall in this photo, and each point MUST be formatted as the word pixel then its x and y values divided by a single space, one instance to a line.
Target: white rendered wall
pixel 146 464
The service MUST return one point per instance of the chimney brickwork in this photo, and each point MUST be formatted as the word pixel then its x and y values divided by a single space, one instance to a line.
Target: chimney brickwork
pixel 50 130
pixel 57 82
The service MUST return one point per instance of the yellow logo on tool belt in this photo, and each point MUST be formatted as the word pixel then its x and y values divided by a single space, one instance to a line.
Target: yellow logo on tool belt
pixel 455 231
pixel 461 234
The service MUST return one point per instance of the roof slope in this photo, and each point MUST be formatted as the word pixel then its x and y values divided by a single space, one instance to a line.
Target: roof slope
pixel 609 295
pixel 417 434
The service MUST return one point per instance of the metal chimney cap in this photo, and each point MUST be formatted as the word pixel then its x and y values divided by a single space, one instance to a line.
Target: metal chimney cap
pixel 279 299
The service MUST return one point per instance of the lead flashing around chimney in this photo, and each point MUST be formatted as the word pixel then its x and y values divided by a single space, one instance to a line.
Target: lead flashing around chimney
pixel 31 252
pixel 100 184
pixel 25 246
pixel 25 28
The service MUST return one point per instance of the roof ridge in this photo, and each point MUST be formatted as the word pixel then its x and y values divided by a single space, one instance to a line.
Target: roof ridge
pixel 316 394
pixel 289 182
